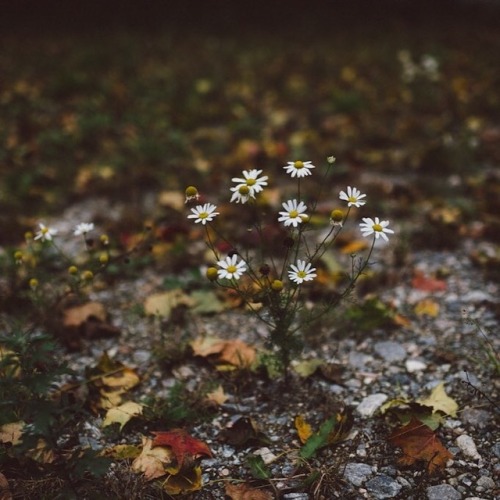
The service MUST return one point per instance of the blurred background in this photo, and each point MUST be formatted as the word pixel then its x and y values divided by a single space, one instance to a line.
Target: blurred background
pixel 134 100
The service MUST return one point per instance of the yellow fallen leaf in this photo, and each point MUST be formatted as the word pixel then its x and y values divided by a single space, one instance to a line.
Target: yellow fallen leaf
pixel 122 414
pixel 11 433
pixel 438 400
pixel 152 462
pixel 304 430
pixel 162 304
pixel 427 307
pixel 185 481
pixel 122 452
pixel 217 396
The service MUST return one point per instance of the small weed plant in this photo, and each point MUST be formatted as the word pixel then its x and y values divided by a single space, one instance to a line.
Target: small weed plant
pixel 272 284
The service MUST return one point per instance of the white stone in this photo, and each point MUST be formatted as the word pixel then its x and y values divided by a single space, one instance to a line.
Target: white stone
pixel 414 365
pixel 371 404
pixel 468 447
pixel 266 454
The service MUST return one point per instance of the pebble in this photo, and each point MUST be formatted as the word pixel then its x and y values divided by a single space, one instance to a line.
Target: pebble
pixel 390 350
pixel 266 454
pixel 414 365
pixel 383 486
pixel 370 404
pixel 468 447
pixel 295 496
pixel 486 482
pixel 475 417
pixel 357 473
pixel 496 449
pixel 443 492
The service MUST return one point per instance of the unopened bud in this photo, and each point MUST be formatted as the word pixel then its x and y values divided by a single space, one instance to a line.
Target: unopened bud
pixel 212 273
pixel 277 285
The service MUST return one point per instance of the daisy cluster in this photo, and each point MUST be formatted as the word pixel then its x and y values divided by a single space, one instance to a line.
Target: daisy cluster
pixel 293 215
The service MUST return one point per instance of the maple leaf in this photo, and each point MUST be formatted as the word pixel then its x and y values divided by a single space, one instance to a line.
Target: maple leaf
pixel 440 401
pixel 245 492
pixel 420 443
pixel 122 414
pixel 183 445
pixel 153 461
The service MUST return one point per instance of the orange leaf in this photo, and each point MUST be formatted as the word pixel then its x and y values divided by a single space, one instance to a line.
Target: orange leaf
pixel 427 307
pixel 419 443
pixel 304 429
pixel 245 492
pixel 183 445
pixel 426 284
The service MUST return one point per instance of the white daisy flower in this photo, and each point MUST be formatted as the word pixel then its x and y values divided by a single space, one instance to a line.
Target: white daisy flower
pixel 83 228
pixel 252 180
pixel 241 194
pixel 302 272
pixel 230 268
pixel 299 168
pixel 377 227
pixel 45 233
pixel 294 213
pixel 203 213
pixel 353 197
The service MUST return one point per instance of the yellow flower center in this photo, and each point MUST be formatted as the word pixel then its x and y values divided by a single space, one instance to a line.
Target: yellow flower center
pixel 302 274
pixel 378 228
pixel 353 199
pixel 293 214
pixel 44 230
pixel 251 182
pixel 231 269
pixel 203 215
pixel 298 165
pixel 244 190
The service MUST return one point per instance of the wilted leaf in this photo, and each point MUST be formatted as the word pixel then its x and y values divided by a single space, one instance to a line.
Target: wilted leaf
pixel 243 432
pixel 258 467
pixel 318 440
pixel 11 433
pixel 427 307
pixel 438 400
pixel 217 396
pixel 183 445
pixel 122 414
pixel 235 352
pixel 420 443
pixel 76 316
pixel 307 367
pixel 206 302
pixel 173 199
pixel 427 284
pixel 9 363
pixel 162 304
pixel 122 452
pixel 153 461
pixel 406 410
pixel 41 453
pixel 246 492
pixel 304 430
pixel 186 481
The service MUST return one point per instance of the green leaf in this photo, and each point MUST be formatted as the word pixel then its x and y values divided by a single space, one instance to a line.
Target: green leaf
pixel 318 440
pixel 258 467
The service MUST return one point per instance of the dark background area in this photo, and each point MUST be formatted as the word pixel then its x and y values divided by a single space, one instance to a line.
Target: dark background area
pixel 232 16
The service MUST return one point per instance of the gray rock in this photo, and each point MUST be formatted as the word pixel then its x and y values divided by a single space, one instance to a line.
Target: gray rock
pixel 383 486
pixel 443 492
pixel 357 473
pixel 370 404
pixel 390 351
pixel 475 417
pixel 468 447
pixel 486 482
pixel 295 496
pixel 496 449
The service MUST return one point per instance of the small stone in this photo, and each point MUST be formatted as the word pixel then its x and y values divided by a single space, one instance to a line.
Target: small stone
pixel 296 496
pixel 370 404
pixel 357 473
pixel 390 351
pixel 225 472
pixel 383 486
pixel 266 454
pixel 414 365
pixel 486 482
pixel 496 449
pixel 443 492
pixel 475 417
pixel 468 447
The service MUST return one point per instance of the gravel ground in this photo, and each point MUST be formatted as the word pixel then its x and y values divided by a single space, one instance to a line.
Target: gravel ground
pixel 375 366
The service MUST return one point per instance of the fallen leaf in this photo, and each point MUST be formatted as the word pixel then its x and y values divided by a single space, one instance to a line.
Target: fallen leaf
pixel 9 363
pixel 122 414
pixel 122 452
pixel 307 367
pixel 173 199
pixel 5 493
pixel 354 247
pixel 304 430
pixel 186 481
pixel 246 492
pixel 427 284
pixel 11 433
pixel 438 400
pixel 243 432
pixel 234 352
pixel 162 304
pixel 76 316
pixel 206 302
pixel 153 461
pixel 420 443
pixel 183 445
pixel 217 396
pixel 427 307
pixel 42 453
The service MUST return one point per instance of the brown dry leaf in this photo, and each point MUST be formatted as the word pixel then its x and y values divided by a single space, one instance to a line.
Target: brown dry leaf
pixel 152 462
pixel 122 452
pixel 42 453
pixel 184 446
pixel 420 443
pixel 238 353
pixel 427 307
pixel 162 304
pixel 122 414
pixel 173 199
pixel 304 430
pixel 246 492
pixel 11 433
pixel 206 346
pixel 217 396
pixel 5 493
pixel 185 481
pixel 76 316
pixel 244 431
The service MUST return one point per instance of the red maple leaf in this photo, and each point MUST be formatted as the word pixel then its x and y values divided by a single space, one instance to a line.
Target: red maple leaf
pixel 183 445
pixel 420 443
pixel 427 284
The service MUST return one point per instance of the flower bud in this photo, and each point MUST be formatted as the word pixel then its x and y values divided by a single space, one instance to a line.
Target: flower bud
pixel 277 285
pixel 191 193
pixel 33 283
pixel 72 270
pixel 18 257
pixel 87 275
pixel 104 239
pixel 264 270
pixel 336 216
pixel 104 258
pixel 212 273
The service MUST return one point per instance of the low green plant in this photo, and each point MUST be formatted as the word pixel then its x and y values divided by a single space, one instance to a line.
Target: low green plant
pixel 271 280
